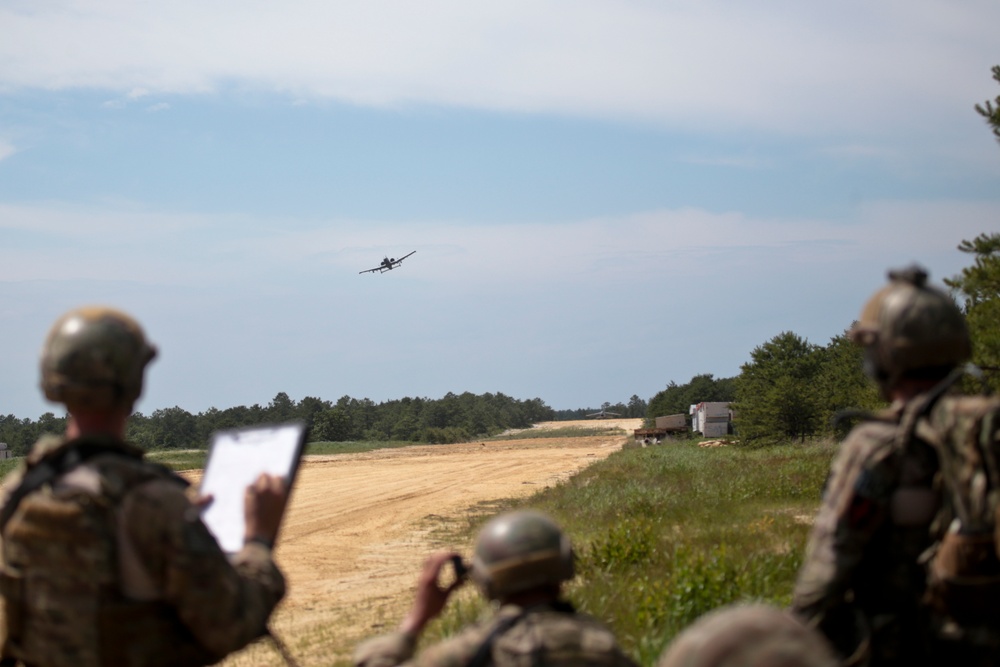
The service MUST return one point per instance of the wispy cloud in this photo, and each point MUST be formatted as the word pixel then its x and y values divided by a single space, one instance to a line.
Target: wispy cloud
pixel 6 149
pixel 735 161
pixel 135 244
pixel 691 64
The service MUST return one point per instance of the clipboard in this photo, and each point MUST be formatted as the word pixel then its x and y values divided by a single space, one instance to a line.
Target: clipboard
pixel 236 457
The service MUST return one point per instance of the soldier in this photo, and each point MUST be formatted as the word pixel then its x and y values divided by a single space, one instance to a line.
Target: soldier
pixel 753 635
pixel 863 583
pixel 521 561
pixel 105 560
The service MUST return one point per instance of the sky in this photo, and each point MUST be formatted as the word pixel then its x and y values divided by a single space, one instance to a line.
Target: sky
pixel 603 196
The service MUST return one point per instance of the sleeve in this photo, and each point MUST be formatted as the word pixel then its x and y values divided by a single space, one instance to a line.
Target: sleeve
pixel 398 648
pixel 386 651
pixel 854 507
pixel 224 604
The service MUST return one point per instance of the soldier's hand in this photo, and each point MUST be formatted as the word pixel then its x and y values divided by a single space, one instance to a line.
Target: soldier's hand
pixel 263 507
pixel 431 597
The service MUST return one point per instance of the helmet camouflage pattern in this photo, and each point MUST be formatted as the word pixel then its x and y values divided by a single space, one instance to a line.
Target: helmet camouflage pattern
pixel 910 326
pixel 94 357
pixel 519 551
pixel 754 635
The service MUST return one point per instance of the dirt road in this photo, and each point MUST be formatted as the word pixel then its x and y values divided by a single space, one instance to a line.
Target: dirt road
pixel 360 525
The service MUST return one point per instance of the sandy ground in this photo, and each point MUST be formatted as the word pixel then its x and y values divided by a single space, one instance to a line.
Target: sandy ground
pixel 360 525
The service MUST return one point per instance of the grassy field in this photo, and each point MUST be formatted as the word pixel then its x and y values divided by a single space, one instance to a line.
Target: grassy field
pixel 667 533
pixel 194 459
pixel 565 432
pixel 7 465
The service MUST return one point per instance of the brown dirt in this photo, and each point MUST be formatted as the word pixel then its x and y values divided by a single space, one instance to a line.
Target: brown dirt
pixel 360 525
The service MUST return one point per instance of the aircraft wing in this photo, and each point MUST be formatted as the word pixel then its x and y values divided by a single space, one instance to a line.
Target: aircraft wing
pixel 400 260
pixel 377 268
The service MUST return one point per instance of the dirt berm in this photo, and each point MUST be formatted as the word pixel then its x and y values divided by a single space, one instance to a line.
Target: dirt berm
pixel 360 525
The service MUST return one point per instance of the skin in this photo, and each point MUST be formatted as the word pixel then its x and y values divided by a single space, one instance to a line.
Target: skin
pixel 907 389
pixel 431 598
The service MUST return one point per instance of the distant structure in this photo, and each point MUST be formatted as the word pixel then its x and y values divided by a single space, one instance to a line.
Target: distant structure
pixel 665 426
pixel 5 452
pixel 711 419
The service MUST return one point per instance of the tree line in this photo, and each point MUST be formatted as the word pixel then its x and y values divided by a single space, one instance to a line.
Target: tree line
pixel 453 418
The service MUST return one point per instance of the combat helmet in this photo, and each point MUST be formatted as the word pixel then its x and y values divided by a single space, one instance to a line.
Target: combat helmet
pixel 519 551
pixel 911 328
pixel 752 635
pixel 94 357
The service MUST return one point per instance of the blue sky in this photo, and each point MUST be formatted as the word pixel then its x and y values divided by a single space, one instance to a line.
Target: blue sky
pixel 603 197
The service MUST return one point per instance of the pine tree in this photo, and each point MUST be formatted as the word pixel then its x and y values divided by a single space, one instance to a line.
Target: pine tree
pixel 991 110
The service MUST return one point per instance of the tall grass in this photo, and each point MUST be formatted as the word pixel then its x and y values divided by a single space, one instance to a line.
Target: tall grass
pixel 194 459
pixel 563 432
pixel 8 465
pixel 664 534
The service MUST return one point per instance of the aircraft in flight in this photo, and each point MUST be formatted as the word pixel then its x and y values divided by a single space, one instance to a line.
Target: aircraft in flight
pixel 388 264
pixel 604 414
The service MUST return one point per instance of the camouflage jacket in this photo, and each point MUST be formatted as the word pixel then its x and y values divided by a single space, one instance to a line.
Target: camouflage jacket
pixel 861 582
pixel 163 592
pixel 550 634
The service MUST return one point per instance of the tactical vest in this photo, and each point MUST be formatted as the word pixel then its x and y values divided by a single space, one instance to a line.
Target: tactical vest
pixel 60 577
pixel 964 562
pixel 551 635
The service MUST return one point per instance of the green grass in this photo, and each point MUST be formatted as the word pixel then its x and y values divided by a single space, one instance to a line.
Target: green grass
pixel 664 534
pixel 179 459
pixel 194 459
pixel 8 465
pixel 565 432
pixel 355 447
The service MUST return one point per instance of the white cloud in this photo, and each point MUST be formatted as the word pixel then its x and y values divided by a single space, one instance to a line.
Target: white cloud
pixel 479 307
pixel 131 243
pixel 797 68
pixel 6 149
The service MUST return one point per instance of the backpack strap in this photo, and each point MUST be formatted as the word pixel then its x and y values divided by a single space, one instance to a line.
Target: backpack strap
pixel 922 405
pixel 56 463
pixel 483 655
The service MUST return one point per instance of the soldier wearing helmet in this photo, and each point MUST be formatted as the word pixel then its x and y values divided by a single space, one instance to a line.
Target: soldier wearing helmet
pixel 913 335
pixel 863 582
pixel 751 635
pixel 104 558
pixel 521 561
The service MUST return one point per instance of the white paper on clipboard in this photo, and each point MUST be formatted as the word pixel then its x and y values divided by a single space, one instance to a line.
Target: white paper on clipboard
pixel 235 460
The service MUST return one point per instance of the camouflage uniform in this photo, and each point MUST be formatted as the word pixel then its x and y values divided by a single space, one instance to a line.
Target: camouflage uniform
pixel 865 577
pixel 751 635
pixel 861 574
pixel 548 634
pixel 160 591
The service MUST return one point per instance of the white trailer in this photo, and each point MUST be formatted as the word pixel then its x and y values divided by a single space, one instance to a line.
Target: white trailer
pixel 711 418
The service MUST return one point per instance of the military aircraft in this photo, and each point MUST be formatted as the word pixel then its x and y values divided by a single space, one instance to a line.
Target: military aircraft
pixel 388 264
pixel 604 414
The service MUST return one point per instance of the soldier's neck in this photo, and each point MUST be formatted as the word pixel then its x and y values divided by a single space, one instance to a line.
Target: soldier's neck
pixel 534 596
pixel 906 390
pixel 96 422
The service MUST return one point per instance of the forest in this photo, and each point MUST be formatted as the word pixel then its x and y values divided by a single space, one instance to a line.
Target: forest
pixel 453 418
